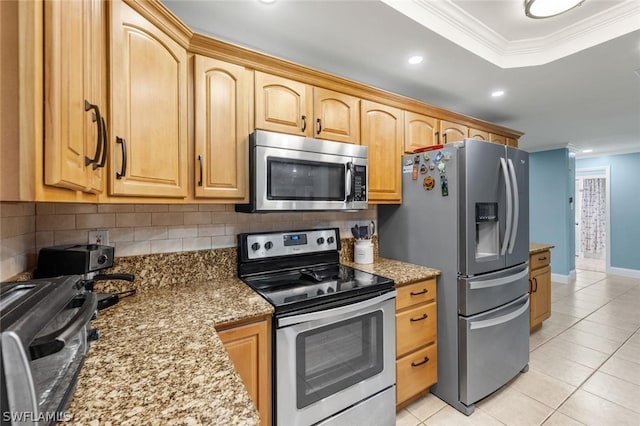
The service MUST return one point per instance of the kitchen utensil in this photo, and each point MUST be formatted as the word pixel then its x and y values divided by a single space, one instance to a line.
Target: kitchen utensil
pixel 364 232
pixel 354 232
pixel 373 229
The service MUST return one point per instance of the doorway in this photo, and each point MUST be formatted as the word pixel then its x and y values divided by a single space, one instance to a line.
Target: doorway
pixel 592 219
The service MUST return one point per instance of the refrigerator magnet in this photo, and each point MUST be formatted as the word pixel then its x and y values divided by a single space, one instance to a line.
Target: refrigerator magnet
pixel 428 183
pixel 444 185
pixel 441 167
pixel 423 169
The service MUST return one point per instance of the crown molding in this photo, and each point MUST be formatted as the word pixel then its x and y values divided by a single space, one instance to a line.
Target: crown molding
pixel 455 24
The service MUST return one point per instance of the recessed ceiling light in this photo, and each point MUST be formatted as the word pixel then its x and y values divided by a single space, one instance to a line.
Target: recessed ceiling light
pixel 547 8
pixel 267 1
pixel 586 151
pixel 497 93
pixel 415 60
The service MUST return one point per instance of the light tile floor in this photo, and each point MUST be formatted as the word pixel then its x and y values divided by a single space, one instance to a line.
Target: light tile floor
pixel 584 365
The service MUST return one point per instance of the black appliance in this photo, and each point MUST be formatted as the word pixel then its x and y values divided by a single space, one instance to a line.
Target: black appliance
pixel 334 329
pixel 82 259
pixel 44 336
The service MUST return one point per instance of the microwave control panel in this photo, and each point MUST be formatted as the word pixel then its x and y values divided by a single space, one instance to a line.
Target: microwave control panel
pixel 359 183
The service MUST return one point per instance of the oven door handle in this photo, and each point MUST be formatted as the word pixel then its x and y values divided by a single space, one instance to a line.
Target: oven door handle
pixel 329 313
pixel 55 342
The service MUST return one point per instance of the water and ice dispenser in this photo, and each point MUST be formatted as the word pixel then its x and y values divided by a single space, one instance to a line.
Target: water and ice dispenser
pixel 487 231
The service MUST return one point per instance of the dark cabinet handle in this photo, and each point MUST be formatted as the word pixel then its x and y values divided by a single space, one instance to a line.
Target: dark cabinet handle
pixel 437 138
pixel 103 160
pixel 423 317
pixel 200 161
pixel 542 258
pixel 304 123
pixel 418 364
pixel 318 126
pixel 424 290
pixel 99 139
pixel 535 280
pixel 444 138
pixel 123 169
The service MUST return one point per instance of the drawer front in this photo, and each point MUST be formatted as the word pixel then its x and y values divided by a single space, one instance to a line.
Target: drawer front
pixel 412 294
pixel 416 372
pixel 539 260
pixel 415 327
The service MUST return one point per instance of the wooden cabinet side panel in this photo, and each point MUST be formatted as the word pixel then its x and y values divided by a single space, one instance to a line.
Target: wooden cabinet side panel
pixel 336 116
pixel 221 129
pixel 249 347
pixel 282 105
pixel 382 133
pixel 149 107
pixel 540 297
pixel 419 131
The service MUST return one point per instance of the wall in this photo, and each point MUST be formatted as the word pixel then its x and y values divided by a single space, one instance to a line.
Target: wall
pixel 551 177
pixel 143 229
pixel 17 238
pixel 624 209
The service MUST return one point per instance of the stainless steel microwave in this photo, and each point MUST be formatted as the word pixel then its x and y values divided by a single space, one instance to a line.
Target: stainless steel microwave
pixel 293 173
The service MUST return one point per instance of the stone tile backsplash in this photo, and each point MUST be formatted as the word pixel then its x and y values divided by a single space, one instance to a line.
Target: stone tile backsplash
pixel 139 229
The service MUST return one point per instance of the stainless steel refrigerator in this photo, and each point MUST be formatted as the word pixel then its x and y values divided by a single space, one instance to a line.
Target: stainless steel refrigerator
pixel 465 211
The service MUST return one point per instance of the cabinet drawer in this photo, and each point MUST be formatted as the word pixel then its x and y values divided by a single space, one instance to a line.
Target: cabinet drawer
pixel 415 327
pixel 539 260
pixel 416 372
pixel 412 294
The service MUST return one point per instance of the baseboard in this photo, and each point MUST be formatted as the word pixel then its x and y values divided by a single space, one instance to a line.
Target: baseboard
pixel 623 272
pixel 563 279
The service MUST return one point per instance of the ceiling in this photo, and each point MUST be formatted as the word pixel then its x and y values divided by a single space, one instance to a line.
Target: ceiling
pixel 571 80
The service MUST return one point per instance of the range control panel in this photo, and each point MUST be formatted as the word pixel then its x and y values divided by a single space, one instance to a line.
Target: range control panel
pixel 273 244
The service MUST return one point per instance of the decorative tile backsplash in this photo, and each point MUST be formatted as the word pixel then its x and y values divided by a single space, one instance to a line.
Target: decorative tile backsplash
pixel 139 229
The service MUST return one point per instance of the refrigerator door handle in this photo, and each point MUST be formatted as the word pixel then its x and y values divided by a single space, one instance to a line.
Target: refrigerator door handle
pixel 475 285
pixel 507 185
pixel 474 325
pixel 516 206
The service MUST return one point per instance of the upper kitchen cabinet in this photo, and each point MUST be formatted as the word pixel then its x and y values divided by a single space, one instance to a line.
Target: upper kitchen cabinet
pixel 512 142
pixel 75 104
pixel 502 140
pixel 419 131
pixel 222 98
pixel 288 106
pixel 452 132
pixel 148 135
pixel 382 132
pixel 477 134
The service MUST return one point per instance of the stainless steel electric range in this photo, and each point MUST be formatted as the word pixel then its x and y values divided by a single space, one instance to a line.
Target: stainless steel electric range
pixel 334 329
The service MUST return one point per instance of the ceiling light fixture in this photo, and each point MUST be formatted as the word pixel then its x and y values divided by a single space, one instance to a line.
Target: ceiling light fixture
pixel 539 9
pixel 415 60
pixel 586 151
pixel 497 93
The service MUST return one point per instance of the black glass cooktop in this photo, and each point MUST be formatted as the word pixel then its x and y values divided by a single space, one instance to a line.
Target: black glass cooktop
pixel 315 285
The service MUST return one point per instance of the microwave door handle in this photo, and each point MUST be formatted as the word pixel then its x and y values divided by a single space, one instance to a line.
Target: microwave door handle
pixel 507 185
pixel 55 342
pixel 348 179
pixel 516 205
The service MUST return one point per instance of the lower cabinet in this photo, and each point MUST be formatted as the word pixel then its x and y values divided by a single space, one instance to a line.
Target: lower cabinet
pixel 416 341
pixel 249 347
pixel 539 289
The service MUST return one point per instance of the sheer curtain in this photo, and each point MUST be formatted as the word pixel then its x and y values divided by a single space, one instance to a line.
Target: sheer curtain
pixel 593 233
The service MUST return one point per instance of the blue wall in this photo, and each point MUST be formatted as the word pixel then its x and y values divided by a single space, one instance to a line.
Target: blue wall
pixel 551 219
pixel 624 208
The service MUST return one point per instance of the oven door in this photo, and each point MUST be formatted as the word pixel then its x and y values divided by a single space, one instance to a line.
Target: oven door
pixel 287 179
pixel 329 360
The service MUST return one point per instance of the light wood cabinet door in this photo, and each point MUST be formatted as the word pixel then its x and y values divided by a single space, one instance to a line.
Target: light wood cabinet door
pixel 412 294
pixel 222 92
pixel 415 327
pixel 75 51
pixel 382 133
pixel 502 140
pixel 416 372
pixel 512 142
pixel 249 348
pixel 336 116
pixel 452 132
pixel 419 131
pixel 540 296
pixel 283 105
pixel 148 140
pixel 480 135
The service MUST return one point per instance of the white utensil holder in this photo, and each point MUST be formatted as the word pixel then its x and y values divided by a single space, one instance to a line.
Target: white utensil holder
pixel 363 252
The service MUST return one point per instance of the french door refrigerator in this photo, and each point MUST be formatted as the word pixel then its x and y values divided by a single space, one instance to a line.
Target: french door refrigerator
pixel 465 211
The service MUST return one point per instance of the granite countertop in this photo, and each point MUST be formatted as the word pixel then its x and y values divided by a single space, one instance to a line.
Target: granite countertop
pixel 535 248
pixel 159 360
pixel 401 272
